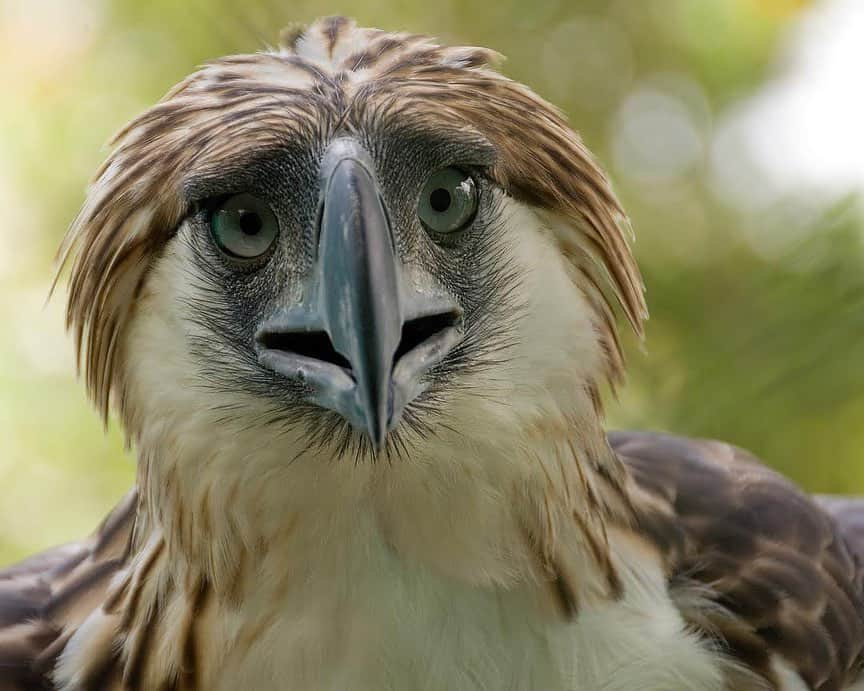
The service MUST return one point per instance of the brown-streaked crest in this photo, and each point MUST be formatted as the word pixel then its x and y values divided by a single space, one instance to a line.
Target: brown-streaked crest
pixel 323 77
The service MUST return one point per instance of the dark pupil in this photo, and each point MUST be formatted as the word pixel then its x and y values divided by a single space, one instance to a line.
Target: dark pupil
pixel 250 223
pixel 439 200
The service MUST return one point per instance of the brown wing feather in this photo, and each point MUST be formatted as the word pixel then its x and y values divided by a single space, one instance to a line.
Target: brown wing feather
pixel 46 594
pixel 848 512
pixel 788 578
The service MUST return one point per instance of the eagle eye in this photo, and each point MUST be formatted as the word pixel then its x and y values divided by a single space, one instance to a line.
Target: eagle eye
pixel 244 227
pixel 448 202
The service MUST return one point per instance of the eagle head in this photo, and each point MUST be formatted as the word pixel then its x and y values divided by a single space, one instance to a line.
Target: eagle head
pixel 361 245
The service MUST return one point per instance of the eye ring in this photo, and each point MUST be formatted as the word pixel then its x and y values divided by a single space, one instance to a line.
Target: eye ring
pixel 243 228
pixel 448 202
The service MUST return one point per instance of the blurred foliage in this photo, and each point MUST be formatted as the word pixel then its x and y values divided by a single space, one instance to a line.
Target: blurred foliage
pixel 757 312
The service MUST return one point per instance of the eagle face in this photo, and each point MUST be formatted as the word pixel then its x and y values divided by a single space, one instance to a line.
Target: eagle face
pixel 348 246
pixel 350 280
pixel 356 291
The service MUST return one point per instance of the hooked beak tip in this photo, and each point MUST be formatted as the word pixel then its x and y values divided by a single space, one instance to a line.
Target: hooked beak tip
pixel 377 420
pixel 379 440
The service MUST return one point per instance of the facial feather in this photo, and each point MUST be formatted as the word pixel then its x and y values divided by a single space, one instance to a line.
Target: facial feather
pixel 201 438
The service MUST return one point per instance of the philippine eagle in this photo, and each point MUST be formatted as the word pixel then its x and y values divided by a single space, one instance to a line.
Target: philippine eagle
pixel 353 301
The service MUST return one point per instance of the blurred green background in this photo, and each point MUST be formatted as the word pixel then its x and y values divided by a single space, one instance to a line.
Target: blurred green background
pixel 730 128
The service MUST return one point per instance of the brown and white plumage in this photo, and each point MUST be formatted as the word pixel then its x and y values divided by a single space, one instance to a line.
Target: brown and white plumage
pixel 498 539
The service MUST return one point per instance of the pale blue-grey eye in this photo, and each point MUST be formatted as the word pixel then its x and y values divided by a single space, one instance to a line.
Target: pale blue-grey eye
pixel 244 227
pixel 448 201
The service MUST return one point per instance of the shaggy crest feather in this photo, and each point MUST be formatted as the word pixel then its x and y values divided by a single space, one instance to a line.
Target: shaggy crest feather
pixel 320 79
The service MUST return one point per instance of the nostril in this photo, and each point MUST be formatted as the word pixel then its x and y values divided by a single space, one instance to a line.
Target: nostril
pixel 417 331
pixel 311 344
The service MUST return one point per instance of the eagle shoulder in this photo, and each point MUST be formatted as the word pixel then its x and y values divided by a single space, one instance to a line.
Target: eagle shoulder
pixel 773 575
pixel 44 598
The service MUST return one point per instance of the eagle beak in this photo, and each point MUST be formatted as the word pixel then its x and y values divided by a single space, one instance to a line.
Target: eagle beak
pixel 359 284
pixel 360 341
